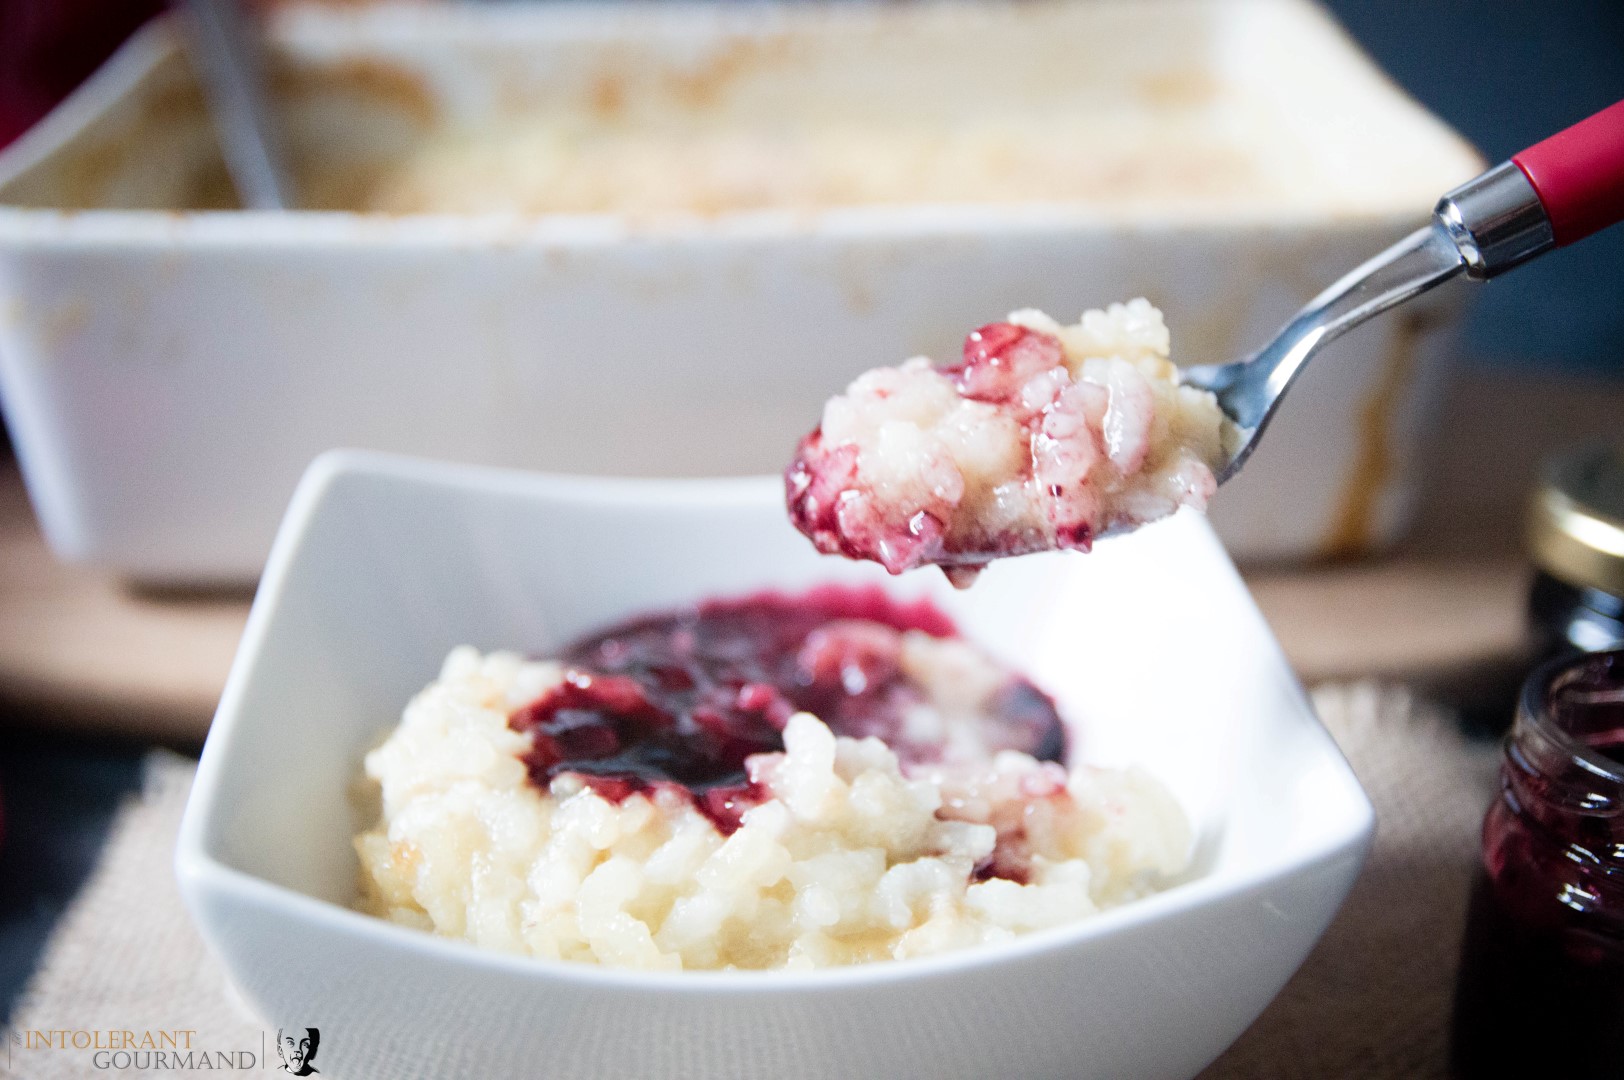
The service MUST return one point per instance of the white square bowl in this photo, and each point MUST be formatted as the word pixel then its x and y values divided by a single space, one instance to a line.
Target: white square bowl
pixel 1151 646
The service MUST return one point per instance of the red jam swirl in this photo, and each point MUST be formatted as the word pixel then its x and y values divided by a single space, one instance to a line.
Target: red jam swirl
pixel 1541 989
pixel 680 700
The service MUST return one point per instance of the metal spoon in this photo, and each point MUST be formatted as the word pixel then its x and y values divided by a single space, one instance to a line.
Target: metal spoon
pixel 226 51
pixel 1554 193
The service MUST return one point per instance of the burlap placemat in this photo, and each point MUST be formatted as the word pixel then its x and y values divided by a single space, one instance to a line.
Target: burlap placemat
pixel 1372 1001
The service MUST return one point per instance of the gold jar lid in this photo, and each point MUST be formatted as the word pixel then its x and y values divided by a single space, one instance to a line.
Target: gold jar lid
pixel 1576 522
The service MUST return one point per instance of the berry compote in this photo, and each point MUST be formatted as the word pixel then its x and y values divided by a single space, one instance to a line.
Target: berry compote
pixel 680 700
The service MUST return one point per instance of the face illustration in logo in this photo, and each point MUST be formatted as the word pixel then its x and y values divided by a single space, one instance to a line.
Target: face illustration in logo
pixel 297 1049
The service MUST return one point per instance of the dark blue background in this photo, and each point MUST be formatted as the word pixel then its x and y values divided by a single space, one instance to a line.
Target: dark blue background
pixel 1506 73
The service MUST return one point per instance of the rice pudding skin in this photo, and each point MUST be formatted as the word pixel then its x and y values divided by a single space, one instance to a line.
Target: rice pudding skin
pixel 770 782
pixel 1042 437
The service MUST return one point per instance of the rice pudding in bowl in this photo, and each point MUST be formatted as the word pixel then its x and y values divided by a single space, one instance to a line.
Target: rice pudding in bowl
pixel 387 563
pixel 773 782
pixel 1042 437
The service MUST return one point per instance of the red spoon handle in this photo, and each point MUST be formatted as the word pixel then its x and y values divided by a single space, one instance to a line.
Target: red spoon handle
pixel 1579 175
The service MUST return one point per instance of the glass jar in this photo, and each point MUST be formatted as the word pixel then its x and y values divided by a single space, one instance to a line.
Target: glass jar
pixel 1541 990
pixel 1576 539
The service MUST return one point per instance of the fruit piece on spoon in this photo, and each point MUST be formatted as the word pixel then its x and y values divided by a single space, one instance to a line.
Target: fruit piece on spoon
pixel 1042 437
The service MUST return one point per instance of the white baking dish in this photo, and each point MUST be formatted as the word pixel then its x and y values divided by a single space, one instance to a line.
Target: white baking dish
pixel 167 373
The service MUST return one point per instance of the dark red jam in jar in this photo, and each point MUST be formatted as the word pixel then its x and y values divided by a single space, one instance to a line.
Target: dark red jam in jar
pixel 1541 990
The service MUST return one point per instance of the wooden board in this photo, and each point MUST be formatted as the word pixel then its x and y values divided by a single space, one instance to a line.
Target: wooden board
pixel 80 650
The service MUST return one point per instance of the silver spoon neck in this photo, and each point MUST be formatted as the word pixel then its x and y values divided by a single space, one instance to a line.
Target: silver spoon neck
pixel 1249 392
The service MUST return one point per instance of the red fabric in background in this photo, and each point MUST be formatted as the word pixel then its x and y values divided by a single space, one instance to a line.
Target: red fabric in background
pixel 47 47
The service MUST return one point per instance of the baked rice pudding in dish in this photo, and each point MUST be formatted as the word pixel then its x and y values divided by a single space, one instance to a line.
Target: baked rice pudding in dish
pixel 769 782
pixel 1042 437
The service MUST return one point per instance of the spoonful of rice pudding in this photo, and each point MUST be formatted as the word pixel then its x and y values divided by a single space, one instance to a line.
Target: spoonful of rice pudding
pixel 1041 437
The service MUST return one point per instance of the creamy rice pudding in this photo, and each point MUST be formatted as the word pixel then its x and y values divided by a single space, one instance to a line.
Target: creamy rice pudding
pixel 1041 437
pixel 771 782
